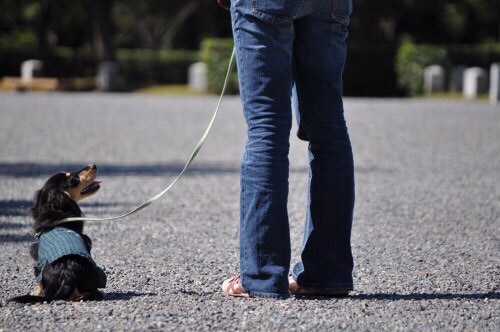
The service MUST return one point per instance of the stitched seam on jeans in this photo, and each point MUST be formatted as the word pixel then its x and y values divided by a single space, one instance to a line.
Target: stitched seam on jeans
pixel 269 295
pixel 294 66
pixel 299 5
pixel 243 248
pixel 270 18
pixel 239 54
pixel 342 19
pixel 328 285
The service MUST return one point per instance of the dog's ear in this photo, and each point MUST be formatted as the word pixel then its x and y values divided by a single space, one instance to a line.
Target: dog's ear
pixel 34 251
pixel 60 202
pixel 39 201
pixel 50 205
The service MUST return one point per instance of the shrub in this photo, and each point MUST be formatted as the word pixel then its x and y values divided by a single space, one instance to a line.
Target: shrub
pixel 142 66
pixel 481 55
pixel 411 61
pixel 138 67
pixel 18 40
pixel 14 48
pixel 215 53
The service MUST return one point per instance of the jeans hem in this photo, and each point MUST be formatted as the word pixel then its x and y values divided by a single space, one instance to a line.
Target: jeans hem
pixel 269 295
pixel 330 285
pixel 299 269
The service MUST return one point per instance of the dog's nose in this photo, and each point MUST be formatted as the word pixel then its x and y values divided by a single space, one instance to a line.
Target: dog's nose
pixel 92 166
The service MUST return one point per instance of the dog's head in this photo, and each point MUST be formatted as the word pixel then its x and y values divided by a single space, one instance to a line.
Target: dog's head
pixel 79 185
pixel 59 196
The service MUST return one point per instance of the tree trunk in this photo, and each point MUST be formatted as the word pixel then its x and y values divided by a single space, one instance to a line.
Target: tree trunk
pixel 178 20
pixel 102 29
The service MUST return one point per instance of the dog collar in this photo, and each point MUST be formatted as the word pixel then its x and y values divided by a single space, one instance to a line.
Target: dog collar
pixel 55 224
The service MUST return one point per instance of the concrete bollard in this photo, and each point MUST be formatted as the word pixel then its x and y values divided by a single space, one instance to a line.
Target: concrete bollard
pixel 30 69
pixel 434 79
pixel 107 75
pixel 495 84
pixel 456 83
pixel 475 82
pixel 197 76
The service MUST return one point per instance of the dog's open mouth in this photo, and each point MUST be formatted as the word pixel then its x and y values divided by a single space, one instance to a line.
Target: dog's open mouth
pixel 91 188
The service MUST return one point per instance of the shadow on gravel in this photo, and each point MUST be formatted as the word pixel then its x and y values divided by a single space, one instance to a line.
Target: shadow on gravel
pixel 46 170
pixel 15 208
pixel 16 238
pixel 425 296
pixel 15 227
pixel 10 225
pixel 117 296
pixel 10 208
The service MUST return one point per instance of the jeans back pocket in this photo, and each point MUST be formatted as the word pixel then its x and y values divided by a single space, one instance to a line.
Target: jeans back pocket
pixel 341 11
pixel 276 11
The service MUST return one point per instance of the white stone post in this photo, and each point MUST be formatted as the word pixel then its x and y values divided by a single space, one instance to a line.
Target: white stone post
pixel 475 82
pixel 456 83
pixel 30 69
pixel 434 79
pixel 197 76
pixel 495 84
pixel 107 74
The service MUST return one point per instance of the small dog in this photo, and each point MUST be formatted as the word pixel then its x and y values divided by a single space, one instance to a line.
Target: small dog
pixel 64 269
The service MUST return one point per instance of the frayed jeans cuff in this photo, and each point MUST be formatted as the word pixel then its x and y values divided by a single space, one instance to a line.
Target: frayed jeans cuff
pixel 269 295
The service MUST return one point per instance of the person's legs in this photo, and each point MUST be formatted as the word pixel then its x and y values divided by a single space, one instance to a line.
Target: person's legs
pixel 264 53
pixel 319 56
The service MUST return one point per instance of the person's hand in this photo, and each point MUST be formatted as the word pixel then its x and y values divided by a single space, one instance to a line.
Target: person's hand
pixel 224 3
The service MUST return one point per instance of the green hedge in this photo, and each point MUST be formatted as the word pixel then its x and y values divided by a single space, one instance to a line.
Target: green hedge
pixel 141 66
pixel 138 67
pixel 482 55
pixel 215 53
pixel 12 57
pixel 412 59
pixel 371 70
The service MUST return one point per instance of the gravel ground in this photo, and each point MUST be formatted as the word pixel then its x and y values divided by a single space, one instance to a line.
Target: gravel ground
pixel 425 237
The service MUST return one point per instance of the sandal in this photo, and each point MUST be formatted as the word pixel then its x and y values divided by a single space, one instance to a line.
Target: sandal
pixel 233 287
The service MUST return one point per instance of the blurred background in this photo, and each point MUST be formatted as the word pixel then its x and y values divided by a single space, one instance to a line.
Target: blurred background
pixel 167 45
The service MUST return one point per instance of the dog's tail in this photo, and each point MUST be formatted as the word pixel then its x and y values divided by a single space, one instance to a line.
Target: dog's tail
pixel 29 299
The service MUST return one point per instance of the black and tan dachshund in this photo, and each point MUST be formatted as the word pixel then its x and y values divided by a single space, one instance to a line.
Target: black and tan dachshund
pixel 64 267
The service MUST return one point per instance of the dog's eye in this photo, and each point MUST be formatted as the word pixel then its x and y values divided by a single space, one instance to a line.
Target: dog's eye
pixel 74 181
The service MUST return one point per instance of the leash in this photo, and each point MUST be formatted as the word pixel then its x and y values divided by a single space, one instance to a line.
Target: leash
pixel 188 163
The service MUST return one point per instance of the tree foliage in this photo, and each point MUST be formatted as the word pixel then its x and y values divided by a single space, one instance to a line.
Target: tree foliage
pixel 96 24
pixel 426 21
pixel 159 24
pixel 72 36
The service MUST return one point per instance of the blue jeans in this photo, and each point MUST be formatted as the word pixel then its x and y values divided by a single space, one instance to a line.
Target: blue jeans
pixel 285 49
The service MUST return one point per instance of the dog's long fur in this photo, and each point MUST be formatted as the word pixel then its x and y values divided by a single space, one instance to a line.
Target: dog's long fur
pixel 70 277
